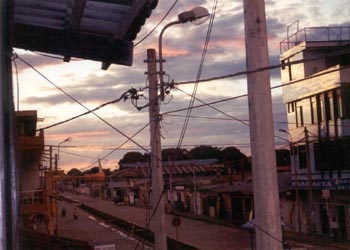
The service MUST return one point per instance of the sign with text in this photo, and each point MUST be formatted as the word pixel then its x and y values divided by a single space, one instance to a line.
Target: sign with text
pixel 332 184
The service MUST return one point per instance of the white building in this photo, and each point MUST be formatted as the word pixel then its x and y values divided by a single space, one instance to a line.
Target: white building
pixel 316 92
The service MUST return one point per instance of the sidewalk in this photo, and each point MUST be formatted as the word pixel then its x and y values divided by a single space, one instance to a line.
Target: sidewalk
pixel 307 241
pixel 319 240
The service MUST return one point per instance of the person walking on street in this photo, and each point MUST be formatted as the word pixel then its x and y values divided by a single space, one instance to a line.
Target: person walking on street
pixel 334 228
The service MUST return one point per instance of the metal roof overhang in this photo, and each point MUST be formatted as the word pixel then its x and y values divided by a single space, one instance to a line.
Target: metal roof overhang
pixel 100 30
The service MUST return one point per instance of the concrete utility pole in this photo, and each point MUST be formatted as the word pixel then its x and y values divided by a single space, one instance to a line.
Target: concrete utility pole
pixel 265 185
pixel 160 241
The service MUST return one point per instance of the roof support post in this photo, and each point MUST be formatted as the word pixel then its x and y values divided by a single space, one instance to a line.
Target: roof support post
pixel 8 187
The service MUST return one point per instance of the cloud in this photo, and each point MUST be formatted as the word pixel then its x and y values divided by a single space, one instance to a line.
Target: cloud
pixel 183 45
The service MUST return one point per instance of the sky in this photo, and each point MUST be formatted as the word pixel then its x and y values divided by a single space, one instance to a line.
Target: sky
pixel 226 125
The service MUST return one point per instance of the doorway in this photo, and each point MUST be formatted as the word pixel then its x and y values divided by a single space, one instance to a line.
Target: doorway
pixel 342 222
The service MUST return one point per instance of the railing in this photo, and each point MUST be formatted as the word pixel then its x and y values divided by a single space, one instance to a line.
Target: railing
pixel 32 197
pixel 316 34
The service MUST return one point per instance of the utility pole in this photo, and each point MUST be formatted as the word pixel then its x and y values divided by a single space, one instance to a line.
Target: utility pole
pixel 297 196
pixel 265 185
pixel 160 241
pixel 194 190
pixel 308 167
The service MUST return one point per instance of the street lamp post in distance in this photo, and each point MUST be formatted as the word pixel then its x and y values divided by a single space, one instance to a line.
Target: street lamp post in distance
pixel 57 157
pixel 296 186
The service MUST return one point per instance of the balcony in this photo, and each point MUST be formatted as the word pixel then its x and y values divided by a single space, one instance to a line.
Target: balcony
pixel 33 201
pixel 315 34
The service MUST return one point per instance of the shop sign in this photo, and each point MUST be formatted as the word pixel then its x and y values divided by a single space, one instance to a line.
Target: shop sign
pixel 332 184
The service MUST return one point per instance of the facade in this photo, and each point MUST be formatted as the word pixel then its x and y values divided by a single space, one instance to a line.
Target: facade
pixel 316 91
pixel 29 150
pixel 197 187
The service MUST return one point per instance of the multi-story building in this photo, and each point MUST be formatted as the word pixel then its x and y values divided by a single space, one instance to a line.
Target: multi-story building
pixel 30 149
pixel 316 77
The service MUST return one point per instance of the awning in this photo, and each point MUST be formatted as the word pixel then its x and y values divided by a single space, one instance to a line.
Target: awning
pixel 100 30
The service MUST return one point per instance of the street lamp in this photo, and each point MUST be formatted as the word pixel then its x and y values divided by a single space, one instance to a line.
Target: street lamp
pixel 59 144
pixel 297 198
pixel 57 157
pixel 197 15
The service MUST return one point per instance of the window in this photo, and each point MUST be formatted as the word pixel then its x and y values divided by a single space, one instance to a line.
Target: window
pixel 290 107
pixel 299 115
pixel 329 106
pixel 302 156
pixel 313 107
pixel 332 155
pixel 307 112
pixel 339 103
pixel 283 64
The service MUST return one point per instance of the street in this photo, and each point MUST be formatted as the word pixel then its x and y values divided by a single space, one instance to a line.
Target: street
pixel 200 234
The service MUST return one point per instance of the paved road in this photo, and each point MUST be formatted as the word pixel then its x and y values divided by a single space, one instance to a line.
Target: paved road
pixel 200 234
pixel 93 230
pixel 196 233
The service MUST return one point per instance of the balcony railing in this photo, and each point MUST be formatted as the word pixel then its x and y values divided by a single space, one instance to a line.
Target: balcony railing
pixel 315 34
pixel 32 201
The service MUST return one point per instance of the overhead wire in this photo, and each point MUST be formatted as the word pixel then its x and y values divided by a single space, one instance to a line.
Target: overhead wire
pixel 75 100
pixel 14 56
pixel 211 106
pixel 157 25
pixel 245 72
pixel 121 145
pixel 199 73
pixel 128 94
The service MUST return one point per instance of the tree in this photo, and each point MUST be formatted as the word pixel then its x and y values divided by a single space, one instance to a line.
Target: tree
pixel 205 152
pixel 74 172
pixel 232 154
pixel 93 170
pixel 174 154
pixel 234 160
pixel 134 157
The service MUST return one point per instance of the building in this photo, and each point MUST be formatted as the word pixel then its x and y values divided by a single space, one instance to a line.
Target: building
pixel 30 149
pixel 316 91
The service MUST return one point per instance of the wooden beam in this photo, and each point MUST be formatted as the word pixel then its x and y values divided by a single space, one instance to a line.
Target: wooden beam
pixel 77 13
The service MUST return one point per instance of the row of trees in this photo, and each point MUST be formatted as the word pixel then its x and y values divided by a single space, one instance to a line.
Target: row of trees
pixel 199 152
pixel 230 155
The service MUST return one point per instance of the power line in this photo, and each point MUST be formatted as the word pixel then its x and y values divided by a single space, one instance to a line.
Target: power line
pixel 199 73
pixel 74 99
pixel 14 56
pixel 155 27
pixel 205 104
pixel 129 94
pixel 245 72
pixel 216 109
pixel 121 145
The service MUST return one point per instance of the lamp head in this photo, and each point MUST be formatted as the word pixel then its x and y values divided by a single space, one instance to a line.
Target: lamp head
pixel 68 139
pixel 197 15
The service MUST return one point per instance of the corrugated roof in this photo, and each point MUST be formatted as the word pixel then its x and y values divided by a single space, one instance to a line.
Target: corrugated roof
pixel 101 30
